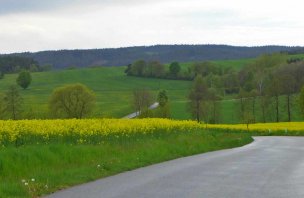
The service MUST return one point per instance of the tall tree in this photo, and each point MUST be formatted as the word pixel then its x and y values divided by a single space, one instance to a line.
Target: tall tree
pixel 174 69
pixel 301 100
pixel 2 110
pixel 274 91
pixel 12 102
pixel 72 101
pixel 138 68
pixel 198 95
pixel 142 99
pixel 246 107
pixel 24 79
pixel 156 69
pixel 214 103
pixel 288 88
pixel 163 100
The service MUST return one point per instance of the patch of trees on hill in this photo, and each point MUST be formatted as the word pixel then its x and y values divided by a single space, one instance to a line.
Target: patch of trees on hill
pixel 15 64
pixel 163 53
pixel 264 91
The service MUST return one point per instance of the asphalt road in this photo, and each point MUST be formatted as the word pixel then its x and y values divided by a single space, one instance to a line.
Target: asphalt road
pixel 135 114
pixel 269 167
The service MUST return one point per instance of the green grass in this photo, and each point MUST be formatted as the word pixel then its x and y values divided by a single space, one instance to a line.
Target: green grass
pixel 114 93
pixel 112 87
pixel 113 90
pixel 235 64
pixel 58 166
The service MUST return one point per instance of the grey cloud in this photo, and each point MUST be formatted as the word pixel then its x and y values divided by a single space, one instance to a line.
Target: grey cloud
pixel 21 6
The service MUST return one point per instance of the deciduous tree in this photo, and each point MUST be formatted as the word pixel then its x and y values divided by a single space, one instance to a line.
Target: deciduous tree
pixel 163 100
pixel 301 101
pixel 24 79
pixel 142 99
pixel 198 95
pixel 12 102
pixel 174 69
pixel 72 101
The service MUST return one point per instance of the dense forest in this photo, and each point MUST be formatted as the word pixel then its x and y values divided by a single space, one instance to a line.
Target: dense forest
pixel 163 53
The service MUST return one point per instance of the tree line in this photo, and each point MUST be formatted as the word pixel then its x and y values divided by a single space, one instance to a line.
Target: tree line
pixel 15 64
pixel 263 91
pixel 164 53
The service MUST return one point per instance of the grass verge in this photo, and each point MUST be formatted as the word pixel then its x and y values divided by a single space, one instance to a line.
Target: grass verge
pixel 35 170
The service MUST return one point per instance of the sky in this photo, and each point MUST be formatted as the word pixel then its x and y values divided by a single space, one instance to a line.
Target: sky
pixel 37 25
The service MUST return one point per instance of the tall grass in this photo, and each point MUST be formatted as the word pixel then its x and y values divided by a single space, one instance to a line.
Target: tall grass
pixel 34 170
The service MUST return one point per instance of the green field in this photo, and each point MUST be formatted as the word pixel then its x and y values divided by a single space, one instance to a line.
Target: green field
pixel 114 91
pixel 112 87
pixel 34 170
pixel 235 64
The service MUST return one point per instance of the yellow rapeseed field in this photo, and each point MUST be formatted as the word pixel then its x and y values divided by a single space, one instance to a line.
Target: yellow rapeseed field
pixel 281 126
pixel 99 130
pixel 86 129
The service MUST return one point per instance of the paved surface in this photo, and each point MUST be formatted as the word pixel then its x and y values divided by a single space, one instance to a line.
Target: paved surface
pixel 269 167
pixel 135 114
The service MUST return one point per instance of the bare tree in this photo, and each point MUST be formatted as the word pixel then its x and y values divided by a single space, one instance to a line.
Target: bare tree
pixel 12 102
pixel 198 96
pixel 142 99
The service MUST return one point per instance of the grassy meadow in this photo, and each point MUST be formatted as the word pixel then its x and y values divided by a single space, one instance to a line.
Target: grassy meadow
pixel 114 91
pixel 112 87
pixel 38 157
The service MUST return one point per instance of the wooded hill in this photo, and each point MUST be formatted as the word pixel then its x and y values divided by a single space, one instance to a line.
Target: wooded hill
pixel 163 53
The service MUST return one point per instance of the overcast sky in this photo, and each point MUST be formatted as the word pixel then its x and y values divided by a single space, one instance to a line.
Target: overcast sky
pixel 35 25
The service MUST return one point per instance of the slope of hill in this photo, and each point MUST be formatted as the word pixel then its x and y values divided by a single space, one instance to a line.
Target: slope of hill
pixel 112 87
pixel 163 53
pixel 114 91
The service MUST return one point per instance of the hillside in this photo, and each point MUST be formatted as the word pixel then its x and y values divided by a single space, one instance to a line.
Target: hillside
pixel 112 87
pixel 114 91
pixel 163 53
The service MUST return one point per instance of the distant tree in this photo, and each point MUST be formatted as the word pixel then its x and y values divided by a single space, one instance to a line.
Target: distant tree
pixel 243 104
pixel 72 101
pixel 205 68
pixel 198 95
pixel 214 103
pixel 24 79
pixel 13 64
pixel 47 67
pixel 230 83
pixel 2 109
pixel 301 100
pixel 12 102
pixel 288 89
pixel 128 69
pixel 138 68
pixel 154 69
pixel 1 75
pixel 174 69
pixel 142 99
pixel 34 68
pixel 253 97
pixel 274 90
pixel 163 100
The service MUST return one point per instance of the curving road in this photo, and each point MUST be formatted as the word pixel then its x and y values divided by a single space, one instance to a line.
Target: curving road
pixel 135 114
pixel 269 167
